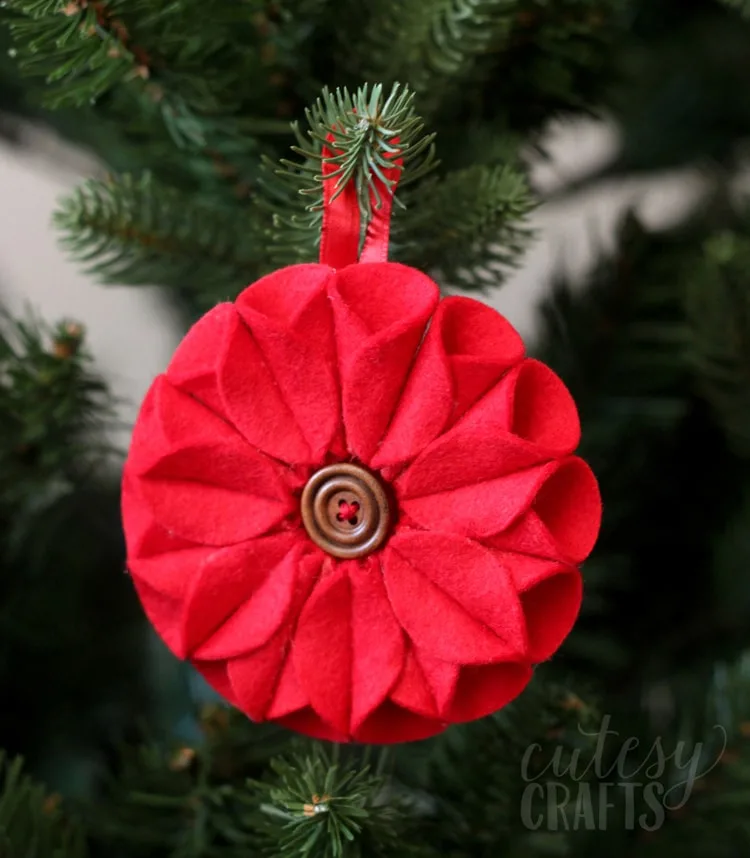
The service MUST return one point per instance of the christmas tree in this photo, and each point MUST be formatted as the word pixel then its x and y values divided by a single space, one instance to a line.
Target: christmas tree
pixel 213 119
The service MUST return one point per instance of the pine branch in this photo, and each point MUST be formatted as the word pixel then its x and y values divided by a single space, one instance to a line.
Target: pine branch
pixel 435 46
pixel 32 824
pixel 190 801
pixel 325 803
pixel 718 308
pixel 470 225
pixel 84 48
pixel 53 409
pixel 135 231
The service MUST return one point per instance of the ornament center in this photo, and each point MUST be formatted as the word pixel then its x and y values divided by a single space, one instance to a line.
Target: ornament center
pixel 345 510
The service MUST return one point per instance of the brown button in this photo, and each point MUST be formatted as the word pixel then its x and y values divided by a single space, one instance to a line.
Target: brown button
pixel 345 510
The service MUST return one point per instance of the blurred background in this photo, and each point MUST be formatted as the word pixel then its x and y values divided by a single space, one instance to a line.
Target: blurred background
pixel 592 186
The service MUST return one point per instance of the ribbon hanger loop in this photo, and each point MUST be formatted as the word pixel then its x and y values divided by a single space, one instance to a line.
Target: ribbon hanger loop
pixel 341 229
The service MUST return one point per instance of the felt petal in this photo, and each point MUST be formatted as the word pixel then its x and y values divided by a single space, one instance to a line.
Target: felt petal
pixel 481 509
pixel 216 675
pixel 201 480
pixel 195 364
pixel 528 418
pixel 391 723
pixel 289 316
pixel 289 695
pixel 453 598
pixel 323 648
pixel 309 723
pixel 467 349
pixel 550 594
pixel 483 689
pixel 564 520
pixel 164 613
pixel 377 641
pixel 144 537
pixel 249 598
pixel 254 676
pixel 380 313
pixel 413 691
pixel 220 363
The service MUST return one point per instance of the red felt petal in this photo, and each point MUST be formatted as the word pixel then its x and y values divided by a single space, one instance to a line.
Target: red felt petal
pixel 201 480
pixel 216 675
pixel 290 318
pixel 380 313
pixel 550 594
pixel 527 418
pixel 563 523
pixel 481 509
pixel 145 539
pixel 467 349
pixel 309 723
pixel 289 695
pixel 481 344
pixel 254 677
pixel 391 723
pixel 413 690
pixel 453 598
pixel 484 689
pixel 322 649
pixel 194 365
pixel 243 602
pixel 221 364
pixel 189 590
pixel 165 614
pixel 377 641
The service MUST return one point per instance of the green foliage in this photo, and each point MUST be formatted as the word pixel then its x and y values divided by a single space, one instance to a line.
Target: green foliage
pixel 32 823
pixel 718 308
pixel 134 230
pixel 190 801
pixel 320 805
pixel 471 224
pixel 433 45
pixel 182 55
pixel 54 408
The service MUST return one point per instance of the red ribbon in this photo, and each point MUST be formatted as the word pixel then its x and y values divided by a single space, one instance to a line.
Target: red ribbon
pixel 341 230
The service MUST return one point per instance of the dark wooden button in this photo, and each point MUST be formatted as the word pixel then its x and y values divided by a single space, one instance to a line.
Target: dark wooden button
pixel 345 510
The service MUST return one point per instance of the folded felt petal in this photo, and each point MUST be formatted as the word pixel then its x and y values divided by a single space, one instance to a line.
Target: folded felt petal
pixel 483 689
pixel 563 522
pixel 254 677
pixel 243 598
pixel 309 723
pixel 348 647
pixel 550 594
pixel 438 582
pixel 237 376
pixel 380 313
pixel 391 723
pixel 377 641
pixel 289 316
pixel 144 537
pixel 217 676
pixel 200 478
pixel 480 509
pixel 164 613
pixel 466 350
pixel 322 649
pixel 527 418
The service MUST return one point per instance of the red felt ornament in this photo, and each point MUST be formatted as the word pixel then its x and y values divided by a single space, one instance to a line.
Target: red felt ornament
pixel 354 507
